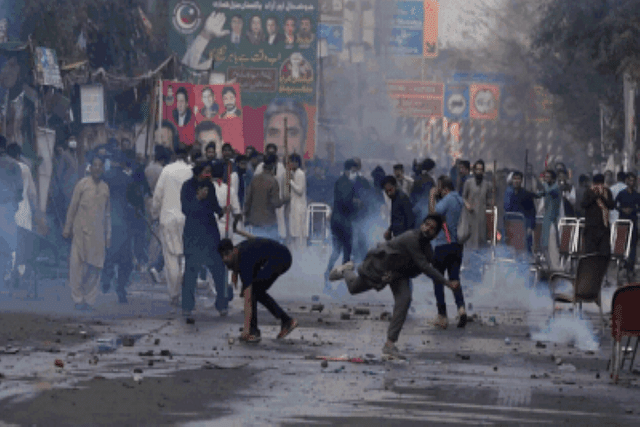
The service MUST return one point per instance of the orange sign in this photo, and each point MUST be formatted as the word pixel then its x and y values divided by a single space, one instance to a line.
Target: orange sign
pixel 430 31
pixel 485 101
pixel 402 88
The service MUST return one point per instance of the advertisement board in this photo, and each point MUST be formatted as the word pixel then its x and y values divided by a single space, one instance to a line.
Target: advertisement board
pixel 268 48
pixel 414 29
pixel 92 104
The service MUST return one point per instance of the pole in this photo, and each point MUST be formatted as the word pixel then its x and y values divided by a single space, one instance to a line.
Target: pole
pixel 226 227
pixel 526 163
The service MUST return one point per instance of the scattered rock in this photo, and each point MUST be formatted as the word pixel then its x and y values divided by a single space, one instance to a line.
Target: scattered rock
pixel 540 345
pixel 495 369
pixel 558 361
pixel 385 316
pixel 528 335
pixel 137 371
pixel 83 334
pixel 567 368
pixel 71 332
pixel 165 353
pixel 463 356
pixel 150 363
pixel 59 363
pixel 58 332
pixel 507 341
pixel 303 307
pixel 156 341
pixel 214 348
pixel 470 306
pixel 345 316
pixel 317 307
pixel 127 341
pixel 315 298
pixel 319 319
pixel 598 375
pixel 361 311
pixel 137 378
pixel 324 364
pixel 231 341
pixel 146 353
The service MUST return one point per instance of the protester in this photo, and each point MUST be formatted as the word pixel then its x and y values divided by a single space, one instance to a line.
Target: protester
pixel 225 197
pixel 201 237
pixel 519 200
pixel 552 199
pixel 344 208
pixel 422 186
pixel 298 227
pixel 477 198
pixel 584 183
pixel 616 188
pixel 402 216
pixel 395 262
pixel 568 194
pixel 167 205
pixel 258 263
pixel 596 203
pixel 89 225
pixel 448 252
pixel 11 194
pixel 405 183
pixel 279 175
pixel 628 205
pixel 363 211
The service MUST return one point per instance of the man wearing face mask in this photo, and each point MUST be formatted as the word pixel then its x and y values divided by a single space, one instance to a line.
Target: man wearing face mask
pixel 477 197
pixel 395 263
pixel 344 208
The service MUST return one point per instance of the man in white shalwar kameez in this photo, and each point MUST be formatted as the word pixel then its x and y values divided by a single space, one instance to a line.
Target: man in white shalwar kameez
pixel 167 205
pixel 89 225
pixel 281 211
pixel 298 227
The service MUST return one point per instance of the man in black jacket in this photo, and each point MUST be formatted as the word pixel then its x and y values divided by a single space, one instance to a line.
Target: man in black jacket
pixel 201 238
pixel 396 262
pixel 344 208
pixel 259 263
pixel 402 216
pixel 597 202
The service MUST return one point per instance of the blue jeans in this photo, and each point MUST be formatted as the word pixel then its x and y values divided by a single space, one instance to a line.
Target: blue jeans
pixel 448 258
pixel 212 261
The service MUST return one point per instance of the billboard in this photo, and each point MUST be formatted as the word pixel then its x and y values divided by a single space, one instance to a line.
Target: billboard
pixel 414 28
pixel 186 106
pixel 267 48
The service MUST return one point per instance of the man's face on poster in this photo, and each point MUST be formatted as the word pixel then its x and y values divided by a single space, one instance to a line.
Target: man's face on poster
pixel 229 101
pixel 182 103
pixel 164 137
pixel 207 98
pixel 272 27
pixel 305 27
pixel 236 25
pixel 170 92
pixel 275 133
pixel 208 136
pixel 256 24
pixel 289 26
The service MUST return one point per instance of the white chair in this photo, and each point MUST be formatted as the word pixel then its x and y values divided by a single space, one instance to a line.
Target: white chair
pixel 318 218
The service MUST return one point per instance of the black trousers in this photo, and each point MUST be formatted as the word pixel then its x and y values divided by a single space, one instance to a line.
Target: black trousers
pixel 264 278
pixel 342 239
pixel 123 258
pixel 597 240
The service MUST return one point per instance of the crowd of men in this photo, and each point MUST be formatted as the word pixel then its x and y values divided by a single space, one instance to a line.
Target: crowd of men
pixel 177 214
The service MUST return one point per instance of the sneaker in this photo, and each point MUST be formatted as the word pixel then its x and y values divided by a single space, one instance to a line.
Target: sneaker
pixel 249 339
pixel 440 322
pixel 462 317
pixel 392 352
pixel 155 276
pixel 224 313
pixel 338 272
pixel 287 329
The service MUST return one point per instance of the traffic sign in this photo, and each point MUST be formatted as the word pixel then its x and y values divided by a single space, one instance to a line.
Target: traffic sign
pixel 456 104
pixel 485 100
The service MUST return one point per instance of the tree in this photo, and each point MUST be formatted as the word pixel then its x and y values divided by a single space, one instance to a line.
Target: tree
pixel 580 50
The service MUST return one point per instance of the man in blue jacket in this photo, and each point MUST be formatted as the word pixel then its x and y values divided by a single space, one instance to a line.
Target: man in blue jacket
pixel 201 238
pixel 517 199
pixel 447 255
pixel 402 216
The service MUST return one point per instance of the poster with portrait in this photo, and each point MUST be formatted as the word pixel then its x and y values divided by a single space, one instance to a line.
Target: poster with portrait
pixel 267 48
pixel 178 103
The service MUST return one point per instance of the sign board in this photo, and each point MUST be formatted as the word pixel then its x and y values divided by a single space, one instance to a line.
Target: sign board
pixel 473 77
pixel 511 104
pixel 333 34
pixel 47 68
pixel 92 103
pixel 403 88
pixel 540 104
pixel 456 101
pixel 418 107
pixel 485 101
pixel 414 29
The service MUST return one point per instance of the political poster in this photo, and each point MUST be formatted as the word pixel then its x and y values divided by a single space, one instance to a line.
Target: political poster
pixel 484 101
pixel 188 106
pixel 267 48
pixel 47 68
pixel 456 101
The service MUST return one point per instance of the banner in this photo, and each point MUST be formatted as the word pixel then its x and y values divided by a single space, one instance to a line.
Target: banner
pixel 187 106
pixel 485 101
pixel 267 48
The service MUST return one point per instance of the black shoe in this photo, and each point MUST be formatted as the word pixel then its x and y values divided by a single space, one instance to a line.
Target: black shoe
pixel 105 289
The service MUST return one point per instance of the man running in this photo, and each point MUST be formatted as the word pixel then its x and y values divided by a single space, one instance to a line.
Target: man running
pixel 259 263
pixel 396 262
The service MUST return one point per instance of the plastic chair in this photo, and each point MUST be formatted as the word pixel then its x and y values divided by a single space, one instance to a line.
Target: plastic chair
pixel 621 242
pixel 515 230
pixel 587 283
pixel 537 236
pixel 567 228
pixel 625 322
pixel 318 216
pixel 492 225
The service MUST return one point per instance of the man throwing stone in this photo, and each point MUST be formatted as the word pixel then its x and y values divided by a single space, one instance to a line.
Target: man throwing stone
pixel 259 263
pixel 396 262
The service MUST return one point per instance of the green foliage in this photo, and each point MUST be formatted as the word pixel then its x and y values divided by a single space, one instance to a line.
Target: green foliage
pixel 580 49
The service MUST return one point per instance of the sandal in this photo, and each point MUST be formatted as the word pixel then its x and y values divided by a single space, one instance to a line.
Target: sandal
pixel 286 330
pixel 250 339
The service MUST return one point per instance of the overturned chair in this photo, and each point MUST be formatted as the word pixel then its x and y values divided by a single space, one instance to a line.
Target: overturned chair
pixel 625 322
pixel 587 284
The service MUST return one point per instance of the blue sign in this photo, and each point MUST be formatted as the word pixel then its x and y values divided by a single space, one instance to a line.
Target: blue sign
pixel 482 77
pixel 333 34
pixel 407 33
pixel 511 104
pixel 456 101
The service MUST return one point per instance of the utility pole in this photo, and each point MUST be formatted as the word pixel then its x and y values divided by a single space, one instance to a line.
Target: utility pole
pixel 630 86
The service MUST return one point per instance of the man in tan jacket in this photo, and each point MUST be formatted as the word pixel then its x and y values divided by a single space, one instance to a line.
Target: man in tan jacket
pixel 89 225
